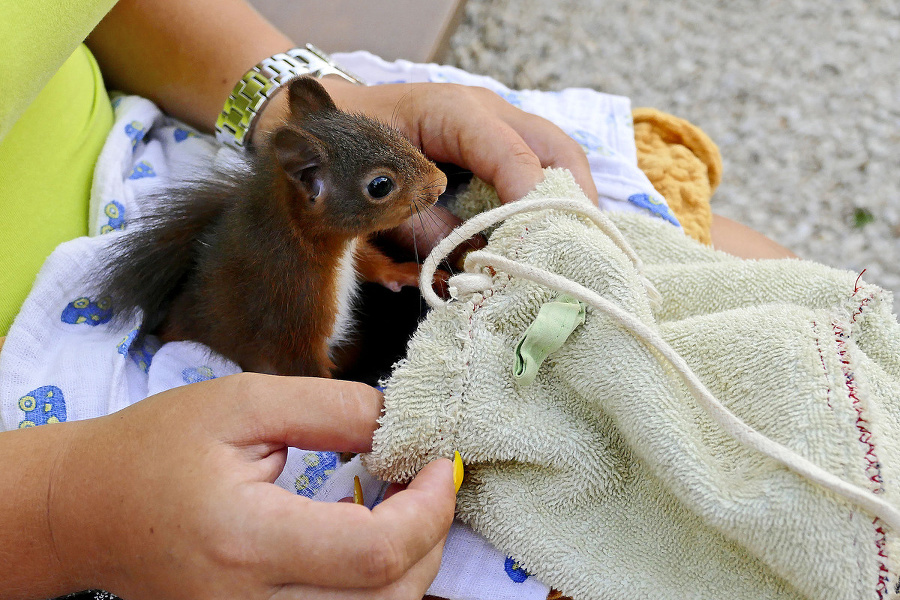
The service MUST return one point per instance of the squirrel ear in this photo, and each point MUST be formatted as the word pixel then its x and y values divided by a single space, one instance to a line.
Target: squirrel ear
pixel 300 157
pixel 307 96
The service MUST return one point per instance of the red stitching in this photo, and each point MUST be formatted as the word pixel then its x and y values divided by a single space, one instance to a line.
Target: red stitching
pixel 880 543
pixel 862 306
pixel 824 368
pixel 856 285
pixel 873 467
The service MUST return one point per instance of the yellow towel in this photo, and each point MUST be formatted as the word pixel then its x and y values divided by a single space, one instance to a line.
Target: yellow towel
pixel 683 165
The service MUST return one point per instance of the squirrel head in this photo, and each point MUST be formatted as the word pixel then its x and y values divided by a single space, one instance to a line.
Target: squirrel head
pixel 348 174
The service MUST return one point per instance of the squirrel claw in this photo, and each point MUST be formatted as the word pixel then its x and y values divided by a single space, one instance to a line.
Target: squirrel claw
pixel 399 275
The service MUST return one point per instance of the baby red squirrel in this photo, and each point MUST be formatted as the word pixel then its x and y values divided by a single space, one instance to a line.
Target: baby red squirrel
pixel 261 266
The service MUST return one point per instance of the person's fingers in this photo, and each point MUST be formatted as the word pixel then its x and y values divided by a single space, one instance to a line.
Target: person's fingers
pixel 511 158
pixel 553 147
pixel 303 412
pixel 474 128
pixel 478 140
pixel 456 124
pixel 422 231
pixel 365 548
pixel 411 586
pixel 549 145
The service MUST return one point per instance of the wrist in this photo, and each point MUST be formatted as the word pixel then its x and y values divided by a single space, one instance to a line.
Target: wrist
pixel 238 119
pixel 275 112
pixel 36 563
pixel 72 515
pixel 342 92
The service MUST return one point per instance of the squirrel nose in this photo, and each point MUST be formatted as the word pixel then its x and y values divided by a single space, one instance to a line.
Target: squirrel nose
pixel 441 187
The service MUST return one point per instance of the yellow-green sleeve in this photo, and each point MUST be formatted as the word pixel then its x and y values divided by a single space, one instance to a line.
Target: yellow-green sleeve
pixel 36 38
pixel 54 117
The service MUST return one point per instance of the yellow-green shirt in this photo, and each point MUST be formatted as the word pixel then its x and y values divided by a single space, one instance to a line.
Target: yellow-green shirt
pixel 54 117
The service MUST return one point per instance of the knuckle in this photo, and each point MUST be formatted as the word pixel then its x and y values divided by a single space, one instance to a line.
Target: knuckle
pixel 471 95
pixel 574 151
pixel 523 155
pixel 227 552
pixel 383 563
pixel 244 388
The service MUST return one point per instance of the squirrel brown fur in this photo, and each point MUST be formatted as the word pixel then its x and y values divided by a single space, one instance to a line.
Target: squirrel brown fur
pixel 261 265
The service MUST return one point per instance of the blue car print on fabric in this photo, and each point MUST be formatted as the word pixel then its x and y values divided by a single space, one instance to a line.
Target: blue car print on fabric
pixel 197 374
pixel 141 170
pixel 85 310
pixel 319 467
pixel 125 345
pixel 180 134
pixel 512 97
pixel 135 132
pixel 590 143
pixel 115 212
pixel 655 205
pixel 515 572
pixel 41 406
pixel 141 355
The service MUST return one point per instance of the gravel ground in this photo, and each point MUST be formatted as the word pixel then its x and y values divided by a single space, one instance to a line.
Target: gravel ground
pixel 801 96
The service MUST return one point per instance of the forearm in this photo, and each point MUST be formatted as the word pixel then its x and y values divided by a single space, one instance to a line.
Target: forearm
pixel 744 242
pixel 185 56
pixel 30 564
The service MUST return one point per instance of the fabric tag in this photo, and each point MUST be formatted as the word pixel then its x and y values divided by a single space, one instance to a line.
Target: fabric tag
pixel 551 328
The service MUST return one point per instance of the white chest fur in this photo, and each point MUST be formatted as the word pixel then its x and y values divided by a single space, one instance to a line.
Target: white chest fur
pixel 347 287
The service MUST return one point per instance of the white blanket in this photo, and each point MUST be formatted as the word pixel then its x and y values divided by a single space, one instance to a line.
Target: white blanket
pixel 64 359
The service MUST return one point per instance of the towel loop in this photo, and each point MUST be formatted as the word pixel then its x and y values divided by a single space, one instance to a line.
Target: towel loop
pixel 484 220
pixel 469 283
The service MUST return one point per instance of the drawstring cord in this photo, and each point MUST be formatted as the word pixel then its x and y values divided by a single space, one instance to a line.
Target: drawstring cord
pixel 484 220
pixel 739 430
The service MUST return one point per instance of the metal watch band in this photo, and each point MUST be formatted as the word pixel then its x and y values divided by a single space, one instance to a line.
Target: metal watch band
pixel 235 123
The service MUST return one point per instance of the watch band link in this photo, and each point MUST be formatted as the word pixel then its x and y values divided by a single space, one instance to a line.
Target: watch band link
pixel 235 123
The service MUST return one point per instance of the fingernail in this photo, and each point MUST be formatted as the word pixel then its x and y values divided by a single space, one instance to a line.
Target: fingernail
pixel 357 491
pixel 457 471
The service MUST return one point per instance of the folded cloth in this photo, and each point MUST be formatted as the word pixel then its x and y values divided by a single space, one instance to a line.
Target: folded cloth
pixel 716 428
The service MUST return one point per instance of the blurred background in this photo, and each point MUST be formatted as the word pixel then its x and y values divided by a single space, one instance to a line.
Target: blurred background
pixel 802 96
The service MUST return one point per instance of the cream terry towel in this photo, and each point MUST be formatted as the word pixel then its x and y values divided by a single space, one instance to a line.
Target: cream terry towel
pixel 734 437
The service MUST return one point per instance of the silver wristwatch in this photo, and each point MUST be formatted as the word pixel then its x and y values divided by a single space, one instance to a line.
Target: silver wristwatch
pixel 235 123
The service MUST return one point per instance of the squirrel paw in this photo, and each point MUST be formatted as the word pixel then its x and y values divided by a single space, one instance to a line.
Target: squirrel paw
pixel 399 275
pixel 407 274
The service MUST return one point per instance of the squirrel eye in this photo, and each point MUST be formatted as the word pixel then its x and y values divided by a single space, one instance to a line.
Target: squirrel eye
pixel 380 187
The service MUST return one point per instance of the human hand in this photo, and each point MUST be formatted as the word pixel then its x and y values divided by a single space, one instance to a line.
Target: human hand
pixel 172 498
pixel 471 127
